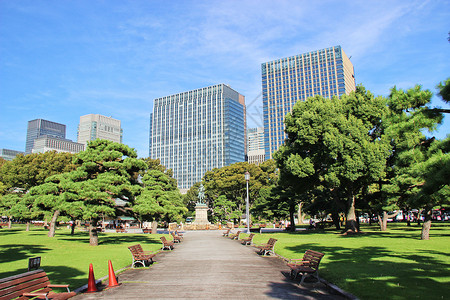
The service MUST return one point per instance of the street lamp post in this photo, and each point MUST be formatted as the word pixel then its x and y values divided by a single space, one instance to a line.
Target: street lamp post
pixel 247 178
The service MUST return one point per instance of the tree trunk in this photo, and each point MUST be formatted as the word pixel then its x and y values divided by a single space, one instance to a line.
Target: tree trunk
pixel 300 214
pixel 28 226
pixel 93 234
pixel 51 232
pixel 336 221
pixel 292 217
pixel 383 221
pixel 9 223
pixel 426 225
pixel 351 225
pixel 154 227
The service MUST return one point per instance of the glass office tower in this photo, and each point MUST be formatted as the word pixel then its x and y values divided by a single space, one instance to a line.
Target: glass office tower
pixel 196 131
pixel 285 81
pixel 40 127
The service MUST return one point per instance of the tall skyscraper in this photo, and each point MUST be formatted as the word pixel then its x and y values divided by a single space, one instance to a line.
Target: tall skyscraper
pixel 94 126
pixel 40 127
pixel 196 131
pixel 255 142
pixel 285 81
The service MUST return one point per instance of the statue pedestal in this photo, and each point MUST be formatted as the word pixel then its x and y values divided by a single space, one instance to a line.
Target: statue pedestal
pixel 201 214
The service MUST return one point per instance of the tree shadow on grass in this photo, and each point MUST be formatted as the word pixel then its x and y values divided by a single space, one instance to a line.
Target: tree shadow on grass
pixel 14 252
pixel 112 239
pixel 8 231
pixel 367 272
pixel 57 275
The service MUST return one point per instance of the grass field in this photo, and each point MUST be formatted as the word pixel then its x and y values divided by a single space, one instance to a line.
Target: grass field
pixel 66 258
pixel 394 264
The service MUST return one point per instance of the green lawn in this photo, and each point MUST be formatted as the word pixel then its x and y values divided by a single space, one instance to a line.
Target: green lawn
pixel 66 258
pixel 377 265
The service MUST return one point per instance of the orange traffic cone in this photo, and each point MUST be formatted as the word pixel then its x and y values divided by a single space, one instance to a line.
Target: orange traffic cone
pixel 112 276
pixel 92 287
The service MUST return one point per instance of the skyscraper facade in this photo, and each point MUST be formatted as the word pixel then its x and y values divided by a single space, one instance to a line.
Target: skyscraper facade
pixel 196 131
pixel 8 154
pixel 255 142
pixel 94 126
pixel 48 143
pixel 39 127
pixel 285 81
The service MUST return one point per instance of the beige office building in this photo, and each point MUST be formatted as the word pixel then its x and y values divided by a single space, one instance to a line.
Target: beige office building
pixel 255 143
pixel 94 126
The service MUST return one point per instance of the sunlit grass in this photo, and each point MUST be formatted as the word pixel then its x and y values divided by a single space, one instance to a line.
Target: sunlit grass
pixel 66 258
pixel 394 264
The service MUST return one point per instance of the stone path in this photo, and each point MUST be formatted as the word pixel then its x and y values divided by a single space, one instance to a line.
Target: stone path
pixel 208 266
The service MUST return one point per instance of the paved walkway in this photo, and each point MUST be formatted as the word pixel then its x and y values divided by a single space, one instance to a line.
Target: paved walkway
pixel 208 266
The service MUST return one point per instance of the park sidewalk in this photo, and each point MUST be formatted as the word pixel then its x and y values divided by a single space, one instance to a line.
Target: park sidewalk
pixel 208 266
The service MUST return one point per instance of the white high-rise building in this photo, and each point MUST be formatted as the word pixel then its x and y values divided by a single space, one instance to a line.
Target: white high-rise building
pixel 49 143
pixel 196 131
pixel 94 126
pixel 255 143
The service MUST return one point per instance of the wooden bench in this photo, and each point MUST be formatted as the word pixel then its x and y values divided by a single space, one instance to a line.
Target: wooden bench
pixel 248 240
pixel 178 234
pixel 308 265
pixel 30 285
pixel 235 236
pixel 176 239
pixel 267 247
pixel 121 230
pixel 166 244
pixel 140 256
pixel 226 233
pixel 147 230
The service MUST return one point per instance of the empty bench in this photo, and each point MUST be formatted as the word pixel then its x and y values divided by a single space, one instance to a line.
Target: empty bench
pixel 267 247
pixel 140 256
pixel 308 265
pixel 30 285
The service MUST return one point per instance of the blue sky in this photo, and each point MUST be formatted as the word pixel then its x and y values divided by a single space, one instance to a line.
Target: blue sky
pixel 61 59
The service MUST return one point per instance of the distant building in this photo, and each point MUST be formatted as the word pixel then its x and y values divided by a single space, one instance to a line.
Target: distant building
pixel 40 127
pixel 7 154
pixel 48 143
pixel 94 126
pixel 255 142
pixel 285 81
pixel 199 130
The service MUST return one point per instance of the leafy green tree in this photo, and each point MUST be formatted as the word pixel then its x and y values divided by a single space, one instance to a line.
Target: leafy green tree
pixel 155 164
pixel 159 200
pixel 230 182
pixel 106 171
pixel 7 203
pixel 59 195
pixel 331 146
pixel 444 92
pixel 224 210
pixel 433 188
pixel 409 116
pixel 191 197
pixel 26 171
